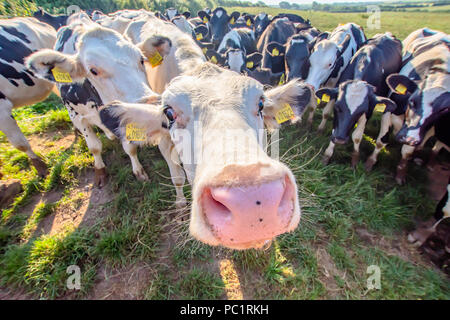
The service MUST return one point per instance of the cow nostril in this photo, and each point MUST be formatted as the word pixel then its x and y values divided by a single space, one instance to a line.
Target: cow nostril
pixel 258 203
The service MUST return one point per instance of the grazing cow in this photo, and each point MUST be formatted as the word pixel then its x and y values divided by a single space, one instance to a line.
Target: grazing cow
pixel 219 23
pixel 271 44
pixel 20 37
pixel 90 63
pixel 421 92
pixel 262 21
pixel 55 21
pixel 231 102
pixel 363 87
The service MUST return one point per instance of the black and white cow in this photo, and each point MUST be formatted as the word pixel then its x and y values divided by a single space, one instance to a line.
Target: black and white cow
pixel 421 92
pixel 262 21
pixel 218 22
pixel 94 59
pixel 20 37
pixel 56 21
pixel 362 87
pixel 271 44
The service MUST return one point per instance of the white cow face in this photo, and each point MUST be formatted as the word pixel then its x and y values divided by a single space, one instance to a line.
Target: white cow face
pixel 241 197
pixel 114 66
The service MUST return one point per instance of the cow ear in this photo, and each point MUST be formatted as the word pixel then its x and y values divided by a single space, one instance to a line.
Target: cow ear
pixel 275 49
pixel 320 37
pixel 249 21
pixel 215 57
pixel 201 32
pixel 144 123
pixel 344 45
pixel 253 60
pixel 187 14
pixel 400 84
pixel 441 102
pixel 46 63
pixel 327 94
pixel 155 45
pixel 204 16
pixel 283 101
pixel 233 17
pixel 382 104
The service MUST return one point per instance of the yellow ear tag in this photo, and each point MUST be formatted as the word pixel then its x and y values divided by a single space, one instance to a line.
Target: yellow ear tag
pixel 275 52
pixel 205 20
pixel 250 64
pixel 326 98
pixel 400 89
pixel 318 100
pixel 282 79
pixel 156 59
pixel 61 76
pixel 135 133
pixel 199 36
pixel 285 114
pixel 204 50
pixel 232 20
pixel 341 24
pixel 214 59
pixel 249 22
pixel 380 107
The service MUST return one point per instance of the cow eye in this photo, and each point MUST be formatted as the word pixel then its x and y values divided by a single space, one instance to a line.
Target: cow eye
pixel 170 114
pixel 142 61
pixel 260 106
pixel 94 71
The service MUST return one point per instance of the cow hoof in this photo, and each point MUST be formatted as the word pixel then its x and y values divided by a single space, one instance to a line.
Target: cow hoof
pixel 100 177
pixel 355 160
pixel 369 165
pixel 40 166
pixel 181 203
pixel 400 179
pixel 141 175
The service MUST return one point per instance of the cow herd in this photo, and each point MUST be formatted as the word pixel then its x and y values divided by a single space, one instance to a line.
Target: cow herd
pixel 183 83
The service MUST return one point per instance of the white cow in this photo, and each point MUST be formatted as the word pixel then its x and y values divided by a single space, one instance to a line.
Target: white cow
pixel 241 197
pixel 104 67
pixel 19 37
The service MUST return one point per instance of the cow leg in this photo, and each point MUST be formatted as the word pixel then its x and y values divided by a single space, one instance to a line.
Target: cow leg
pixel 9 127
pixel 131 150
pixel 402 167
pixel 94 145
pixel 176 171
pixel 382 140
pixel 357 138
pixel 325 115
pixel 328 153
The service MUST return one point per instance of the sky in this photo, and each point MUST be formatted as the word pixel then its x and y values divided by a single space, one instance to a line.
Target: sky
pixel 271 2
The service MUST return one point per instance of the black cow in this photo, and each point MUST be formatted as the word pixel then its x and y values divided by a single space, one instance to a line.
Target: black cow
pixel 271 44
pixel 292 17
pixel 219 23
pixel 362 89
pixel 55 21
pixel 262 21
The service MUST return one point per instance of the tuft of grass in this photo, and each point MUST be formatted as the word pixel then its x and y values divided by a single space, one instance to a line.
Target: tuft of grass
pixel 201 284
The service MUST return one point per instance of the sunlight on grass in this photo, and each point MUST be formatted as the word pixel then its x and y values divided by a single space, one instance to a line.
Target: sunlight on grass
pixel 230 279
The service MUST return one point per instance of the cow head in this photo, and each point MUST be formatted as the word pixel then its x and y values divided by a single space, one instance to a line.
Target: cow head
pixel 242 198
pixel 326 61
pixel 219 23
pixel 261 22
pixel 354 99
pixel 114 66
pixel 427 102
pixel 236 59
pixel 297 58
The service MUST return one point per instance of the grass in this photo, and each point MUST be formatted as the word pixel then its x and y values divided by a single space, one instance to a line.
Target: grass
pixel 325 257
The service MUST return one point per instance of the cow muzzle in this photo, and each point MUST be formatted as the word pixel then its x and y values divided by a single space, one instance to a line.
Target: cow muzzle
pixel 250 216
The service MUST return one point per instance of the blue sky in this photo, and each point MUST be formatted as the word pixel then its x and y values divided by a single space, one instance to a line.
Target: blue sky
pixel 271 2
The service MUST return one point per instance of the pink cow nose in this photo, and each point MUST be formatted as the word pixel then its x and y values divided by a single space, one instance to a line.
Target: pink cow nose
pixel 249 215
